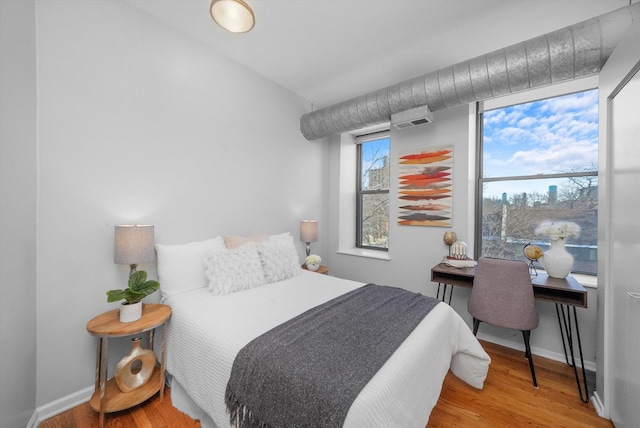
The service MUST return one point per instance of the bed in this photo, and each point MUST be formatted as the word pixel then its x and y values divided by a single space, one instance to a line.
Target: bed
pixel 209 327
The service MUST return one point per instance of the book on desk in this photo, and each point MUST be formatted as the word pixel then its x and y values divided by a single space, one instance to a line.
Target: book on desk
pixel 459 263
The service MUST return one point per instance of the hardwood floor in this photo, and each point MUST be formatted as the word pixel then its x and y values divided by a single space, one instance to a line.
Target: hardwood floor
pixel 507 400
pixel 151 414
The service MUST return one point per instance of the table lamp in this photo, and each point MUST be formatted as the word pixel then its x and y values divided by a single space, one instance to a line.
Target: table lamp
pixel 309 232
pixel 133 244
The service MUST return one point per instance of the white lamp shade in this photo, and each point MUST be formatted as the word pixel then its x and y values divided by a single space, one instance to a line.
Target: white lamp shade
pixel 133 244
pixel 309 230
pixel 232 15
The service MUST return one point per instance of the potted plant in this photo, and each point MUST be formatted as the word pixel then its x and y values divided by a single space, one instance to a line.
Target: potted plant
pixel 137 290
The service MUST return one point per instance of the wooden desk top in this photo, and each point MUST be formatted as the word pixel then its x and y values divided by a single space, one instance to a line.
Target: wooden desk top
pixel 567 291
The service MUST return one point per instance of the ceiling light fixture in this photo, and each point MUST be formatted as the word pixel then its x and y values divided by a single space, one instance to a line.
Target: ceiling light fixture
pixel 233 15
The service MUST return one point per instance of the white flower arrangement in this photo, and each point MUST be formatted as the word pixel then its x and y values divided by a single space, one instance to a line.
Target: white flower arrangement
pixel 558 230
pixel 313 259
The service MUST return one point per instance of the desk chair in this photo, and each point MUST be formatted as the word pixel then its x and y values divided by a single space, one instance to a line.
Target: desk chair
pixel 502 295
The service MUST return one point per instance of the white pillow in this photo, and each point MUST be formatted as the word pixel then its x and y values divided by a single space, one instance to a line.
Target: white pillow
pixel 234 241
pixel 181 267
pixel 232 270
pixel 279 258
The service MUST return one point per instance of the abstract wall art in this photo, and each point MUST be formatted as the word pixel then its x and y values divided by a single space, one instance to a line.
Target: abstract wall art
pixel 425 187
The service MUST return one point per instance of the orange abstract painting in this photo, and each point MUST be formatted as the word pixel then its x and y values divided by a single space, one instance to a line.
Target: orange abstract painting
pixel 425 187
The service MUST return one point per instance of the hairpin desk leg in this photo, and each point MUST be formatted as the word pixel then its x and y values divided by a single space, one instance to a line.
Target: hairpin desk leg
pixel 564 321
pixel 444 292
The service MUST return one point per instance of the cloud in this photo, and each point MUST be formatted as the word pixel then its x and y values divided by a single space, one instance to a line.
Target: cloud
pixel 548 136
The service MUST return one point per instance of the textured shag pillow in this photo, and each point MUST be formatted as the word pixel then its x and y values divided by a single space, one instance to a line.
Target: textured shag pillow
pixel 232 270
pixel 279 258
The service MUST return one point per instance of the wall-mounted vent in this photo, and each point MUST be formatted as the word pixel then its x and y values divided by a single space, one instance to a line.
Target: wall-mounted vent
pixel 413 117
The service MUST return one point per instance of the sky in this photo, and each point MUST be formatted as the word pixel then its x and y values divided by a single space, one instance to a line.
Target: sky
pixel 543 137
pixel 549 136
pixel 374 150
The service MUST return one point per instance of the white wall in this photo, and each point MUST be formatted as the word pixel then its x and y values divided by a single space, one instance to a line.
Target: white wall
pixel 17 212
pixel 141 124
pixel 415 250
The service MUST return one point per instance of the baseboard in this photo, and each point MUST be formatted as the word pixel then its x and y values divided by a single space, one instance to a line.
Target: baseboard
pixel 60 405
pixel 545 353
pixel 598 405
pixel 33 422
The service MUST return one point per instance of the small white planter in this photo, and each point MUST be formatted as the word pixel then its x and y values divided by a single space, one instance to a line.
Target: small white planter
pixel 130 312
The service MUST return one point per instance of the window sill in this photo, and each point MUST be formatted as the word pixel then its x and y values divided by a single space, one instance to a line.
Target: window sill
pixel 587 281
pixel 360 252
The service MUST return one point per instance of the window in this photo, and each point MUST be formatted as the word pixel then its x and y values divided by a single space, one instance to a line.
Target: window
pixel 539 162
pixel 372 191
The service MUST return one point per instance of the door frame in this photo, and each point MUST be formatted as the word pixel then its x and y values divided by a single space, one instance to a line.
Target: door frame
pixel 623 63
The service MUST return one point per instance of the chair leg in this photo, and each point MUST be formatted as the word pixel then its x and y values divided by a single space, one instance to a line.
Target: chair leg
pixel 476 324
pixel 526 335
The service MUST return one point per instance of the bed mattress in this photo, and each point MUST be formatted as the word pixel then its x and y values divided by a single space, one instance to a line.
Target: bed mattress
pixel 206 331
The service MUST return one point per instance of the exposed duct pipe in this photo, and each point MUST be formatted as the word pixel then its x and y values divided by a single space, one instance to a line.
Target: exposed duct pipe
pixel 576 51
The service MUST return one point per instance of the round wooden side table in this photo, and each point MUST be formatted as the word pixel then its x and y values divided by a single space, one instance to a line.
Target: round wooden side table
pixel 324 270
pixel 107 396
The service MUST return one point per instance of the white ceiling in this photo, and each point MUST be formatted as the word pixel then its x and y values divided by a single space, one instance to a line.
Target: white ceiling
pixel 329 51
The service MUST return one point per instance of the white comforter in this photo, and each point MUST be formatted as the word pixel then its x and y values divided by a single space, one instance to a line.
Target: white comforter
pixel 206 332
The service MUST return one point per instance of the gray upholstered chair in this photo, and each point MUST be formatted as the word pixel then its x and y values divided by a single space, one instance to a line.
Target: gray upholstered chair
pixel 502 295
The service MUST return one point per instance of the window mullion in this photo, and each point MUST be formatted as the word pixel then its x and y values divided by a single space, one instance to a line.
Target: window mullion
pixel 374 192
pixel 540 176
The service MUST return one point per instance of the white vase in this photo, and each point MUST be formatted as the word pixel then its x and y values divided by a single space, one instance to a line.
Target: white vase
pixel 558 262
pixel 313 266
pixel 130 312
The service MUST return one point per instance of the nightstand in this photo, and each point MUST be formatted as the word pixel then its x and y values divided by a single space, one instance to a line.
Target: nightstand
pixel 107 396
pixel 324 270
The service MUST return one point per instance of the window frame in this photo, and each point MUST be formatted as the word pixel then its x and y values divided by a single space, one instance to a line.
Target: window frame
pixel 359 140
pixel 480 181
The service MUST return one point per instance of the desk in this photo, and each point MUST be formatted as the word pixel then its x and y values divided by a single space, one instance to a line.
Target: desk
pixel 566 291
pixel 567 294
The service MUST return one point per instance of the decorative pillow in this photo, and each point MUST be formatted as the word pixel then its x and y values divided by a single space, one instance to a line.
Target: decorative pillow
pixel 279 258
pixel 232 270
pixel 238 241
pixel 181 267
pixel 280 237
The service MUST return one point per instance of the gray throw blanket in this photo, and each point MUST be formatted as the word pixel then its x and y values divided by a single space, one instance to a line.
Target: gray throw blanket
pixel 308 371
